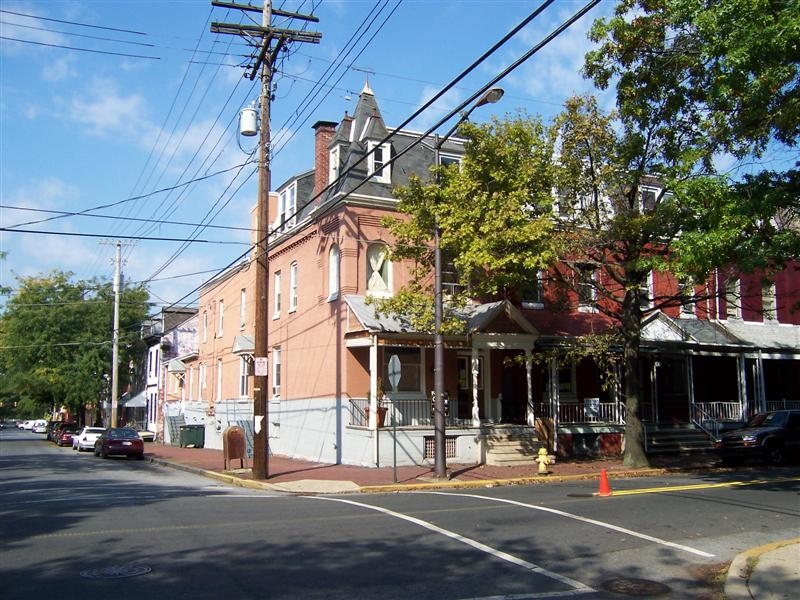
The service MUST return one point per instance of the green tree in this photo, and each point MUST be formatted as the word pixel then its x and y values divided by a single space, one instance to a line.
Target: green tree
pixel 55 336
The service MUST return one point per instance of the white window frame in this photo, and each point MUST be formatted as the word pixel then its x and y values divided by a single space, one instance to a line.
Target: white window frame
pixel 203 378
pixel 411 363
pixel 769 301
pixel 644 192
pixel 586 279
pixel 382 285
pixel 242 308
pixel 647 293
pixel 276 372
pixel 293 287
pixel 538 301
pixel 205 325
pixel 287 207
pixel 733 295
pixel 244 376
pixel 686 290
pixel 221 319
pixel 276 297
pixel 379 155
pixel 334 270
pixel 218 383
pixel 333 164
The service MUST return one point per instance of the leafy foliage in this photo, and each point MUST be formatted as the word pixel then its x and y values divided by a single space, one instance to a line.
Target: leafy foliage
pixel 56 339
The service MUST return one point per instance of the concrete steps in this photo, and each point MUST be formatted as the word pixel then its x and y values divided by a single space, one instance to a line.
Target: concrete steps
pixel 514 446
pixel 679 438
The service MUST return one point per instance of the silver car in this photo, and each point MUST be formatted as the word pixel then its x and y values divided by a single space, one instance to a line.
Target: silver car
pixel 86 438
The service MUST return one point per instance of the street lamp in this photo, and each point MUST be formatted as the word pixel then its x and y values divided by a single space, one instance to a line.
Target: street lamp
pixel 490 96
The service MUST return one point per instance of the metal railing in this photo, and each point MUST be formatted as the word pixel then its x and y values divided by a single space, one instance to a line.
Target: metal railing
pixel 722 411
pixel 412 412
pixel 704 419
pixel 573 412
pixel 783 404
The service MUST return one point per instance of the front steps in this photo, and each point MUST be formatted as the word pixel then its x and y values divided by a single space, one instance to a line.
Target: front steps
pixel 510 446
pixel 678 438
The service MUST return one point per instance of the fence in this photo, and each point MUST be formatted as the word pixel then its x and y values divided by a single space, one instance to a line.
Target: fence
pixel 783 404
pixel 413 412
pixel 573 412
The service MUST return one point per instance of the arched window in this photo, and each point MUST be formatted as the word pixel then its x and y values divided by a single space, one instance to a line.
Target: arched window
pixel 378 269
pixel 333 273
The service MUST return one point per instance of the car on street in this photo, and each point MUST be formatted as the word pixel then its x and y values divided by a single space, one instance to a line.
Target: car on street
pixel 39 426
pixel 25 425
pixel 63 436
pixel 771 437
pixel 119 441
pixel 85 438
pixel 54 429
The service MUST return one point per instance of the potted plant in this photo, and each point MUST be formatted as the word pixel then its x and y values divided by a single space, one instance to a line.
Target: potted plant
pixel 381 416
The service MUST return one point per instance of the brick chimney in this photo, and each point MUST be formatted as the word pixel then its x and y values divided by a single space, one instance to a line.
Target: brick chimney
pixel 325 130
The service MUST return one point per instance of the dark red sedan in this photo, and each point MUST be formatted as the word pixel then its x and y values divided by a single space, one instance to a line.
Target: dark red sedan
pixel 122 441
pixel 63 437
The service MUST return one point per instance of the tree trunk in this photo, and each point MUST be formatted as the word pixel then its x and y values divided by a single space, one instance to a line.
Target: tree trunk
pixel 634 455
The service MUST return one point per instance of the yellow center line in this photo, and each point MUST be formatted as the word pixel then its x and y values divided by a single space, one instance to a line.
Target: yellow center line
pixel 702 486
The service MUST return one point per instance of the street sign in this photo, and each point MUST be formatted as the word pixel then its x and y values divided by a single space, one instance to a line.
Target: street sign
pixel 394 371
pixel 262 366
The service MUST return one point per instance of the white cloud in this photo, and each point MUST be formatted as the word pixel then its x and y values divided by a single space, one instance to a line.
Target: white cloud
pixel 105 111
pixel 46 192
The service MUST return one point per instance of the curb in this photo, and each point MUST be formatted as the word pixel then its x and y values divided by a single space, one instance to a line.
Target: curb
pixel 742 567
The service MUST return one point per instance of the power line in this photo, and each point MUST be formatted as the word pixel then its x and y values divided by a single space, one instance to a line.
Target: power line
pixel 19 14
pixel 123 237
pixel 62 46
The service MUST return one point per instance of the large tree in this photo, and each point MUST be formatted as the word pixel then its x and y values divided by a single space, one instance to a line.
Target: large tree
pixel 55 335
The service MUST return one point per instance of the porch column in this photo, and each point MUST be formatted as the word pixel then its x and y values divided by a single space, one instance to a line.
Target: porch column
pixel 476 415
pixel 530 416
pixel 373 384
pixel 742 381
pixel 554 400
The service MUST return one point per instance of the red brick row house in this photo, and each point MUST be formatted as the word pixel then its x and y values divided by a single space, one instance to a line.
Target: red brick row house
pixel 331 354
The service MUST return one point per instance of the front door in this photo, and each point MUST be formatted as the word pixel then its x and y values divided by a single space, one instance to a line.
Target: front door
pixel 466 385
pixel 672 390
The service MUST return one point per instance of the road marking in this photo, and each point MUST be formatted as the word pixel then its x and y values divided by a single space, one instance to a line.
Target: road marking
pixel 578 587
pixel 603 524
pixel 702 486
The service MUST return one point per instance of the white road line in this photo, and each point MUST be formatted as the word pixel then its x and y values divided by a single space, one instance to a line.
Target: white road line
pixel 577 586
pixel 561 513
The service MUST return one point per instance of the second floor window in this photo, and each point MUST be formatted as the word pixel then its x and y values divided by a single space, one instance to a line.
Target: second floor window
pixel 333 164
pixel 287 207
pixel 205 325
pixel 378 269
pixel 219 380
pixel 242 308
pixel 276 289
pixel 244 372
pixel 293 287
pixel 221 318
pixel 585 287
pixel 686 292
pixel 276 372
pixel 768 301
pixel 733 295
pixel 333 273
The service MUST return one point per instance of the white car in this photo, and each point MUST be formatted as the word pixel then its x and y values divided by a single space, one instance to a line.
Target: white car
pixel 39 426
pixel 86 438
pixel 25 425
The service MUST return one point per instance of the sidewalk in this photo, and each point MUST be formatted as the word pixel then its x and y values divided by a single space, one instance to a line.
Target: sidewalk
pixel 770 572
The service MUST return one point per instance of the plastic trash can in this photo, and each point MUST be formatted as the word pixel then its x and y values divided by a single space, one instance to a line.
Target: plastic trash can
pixel 192 435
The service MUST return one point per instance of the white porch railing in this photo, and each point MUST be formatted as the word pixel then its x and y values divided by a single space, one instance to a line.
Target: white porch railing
pixel 573 412
pixel 721 411
pixel 414 412
pixel 782 404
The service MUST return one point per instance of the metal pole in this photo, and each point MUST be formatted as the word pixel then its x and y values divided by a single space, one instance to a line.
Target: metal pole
pixel 115 339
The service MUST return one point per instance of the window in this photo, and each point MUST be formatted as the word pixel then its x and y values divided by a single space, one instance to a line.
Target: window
pixel 219 380
pixel 585 286
pixel 244 372
pixel 277 295
pixel 686 292
pixel 242 308
pixel 378 156
pixel 293 287
pixel 287 207
pixel 646 293
pixel 276 371
pixel 451 280
pixel 333 164
pixel 733 293
pixel 221 318
pixel 768 302
pixel 566 382
pixel 449 159
pixel 533 292
pixel 648 199
pixel 333 273
pixel 378 271
pixel 205 325
pixel 410 368
pixel 202 383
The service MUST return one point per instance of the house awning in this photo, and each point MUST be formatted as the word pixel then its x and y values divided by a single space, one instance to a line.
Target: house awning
pixel 243 345
pixel 137 401
pixel 176 366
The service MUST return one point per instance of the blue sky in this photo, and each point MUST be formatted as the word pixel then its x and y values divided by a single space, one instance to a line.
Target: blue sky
pixel 117 100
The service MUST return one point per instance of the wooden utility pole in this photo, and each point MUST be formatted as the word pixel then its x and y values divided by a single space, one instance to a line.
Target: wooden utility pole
pixel 272 42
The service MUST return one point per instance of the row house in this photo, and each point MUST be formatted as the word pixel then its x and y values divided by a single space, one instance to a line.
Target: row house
pixel 332 355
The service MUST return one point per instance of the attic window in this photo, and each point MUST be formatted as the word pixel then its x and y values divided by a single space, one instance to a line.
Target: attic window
pixel 333 164
pixel 378 157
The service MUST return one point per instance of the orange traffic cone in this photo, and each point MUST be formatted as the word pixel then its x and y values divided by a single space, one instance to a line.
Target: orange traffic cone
pixel 605 489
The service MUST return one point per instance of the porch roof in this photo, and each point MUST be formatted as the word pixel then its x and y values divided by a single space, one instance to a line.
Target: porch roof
pixel 243 345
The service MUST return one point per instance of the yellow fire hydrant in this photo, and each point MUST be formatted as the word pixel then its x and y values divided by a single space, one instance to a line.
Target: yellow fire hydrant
pixel 544 460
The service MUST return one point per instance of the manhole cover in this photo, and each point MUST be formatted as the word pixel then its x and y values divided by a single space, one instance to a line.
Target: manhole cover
pixel 635 587
pixel 116 572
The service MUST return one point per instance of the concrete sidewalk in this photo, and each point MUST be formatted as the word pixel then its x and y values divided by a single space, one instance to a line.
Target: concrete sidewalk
pixel 770 572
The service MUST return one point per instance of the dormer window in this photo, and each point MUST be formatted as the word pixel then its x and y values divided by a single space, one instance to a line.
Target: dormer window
pixel 333 164
pixel 378 157
pixel 378 270
pixel 287 207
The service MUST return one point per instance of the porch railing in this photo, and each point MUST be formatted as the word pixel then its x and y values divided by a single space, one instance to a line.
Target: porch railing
pixel 703 419
pixel 721 411
pixel 573 413
pixel 782 404
pixel 414 412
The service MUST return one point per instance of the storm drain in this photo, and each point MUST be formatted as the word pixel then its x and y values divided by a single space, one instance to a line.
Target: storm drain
pixel 116 572
pixel 635 587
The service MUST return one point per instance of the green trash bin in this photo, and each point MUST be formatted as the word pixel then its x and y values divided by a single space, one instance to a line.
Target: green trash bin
pixel 192 435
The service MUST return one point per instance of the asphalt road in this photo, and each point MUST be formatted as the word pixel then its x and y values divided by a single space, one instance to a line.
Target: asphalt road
pixel 76 526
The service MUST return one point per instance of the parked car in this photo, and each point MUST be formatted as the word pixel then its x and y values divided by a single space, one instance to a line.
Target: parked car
pixel 25 425
pixel 54 429
pixel 39 426
pixel 771 437
pixel 64 436
pixel 86 437
pixel 123 441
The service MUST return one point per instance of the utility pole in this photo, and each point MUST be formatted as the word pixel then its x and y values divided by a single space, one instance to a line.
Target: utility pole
pixel 115 351
pixel 272 42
